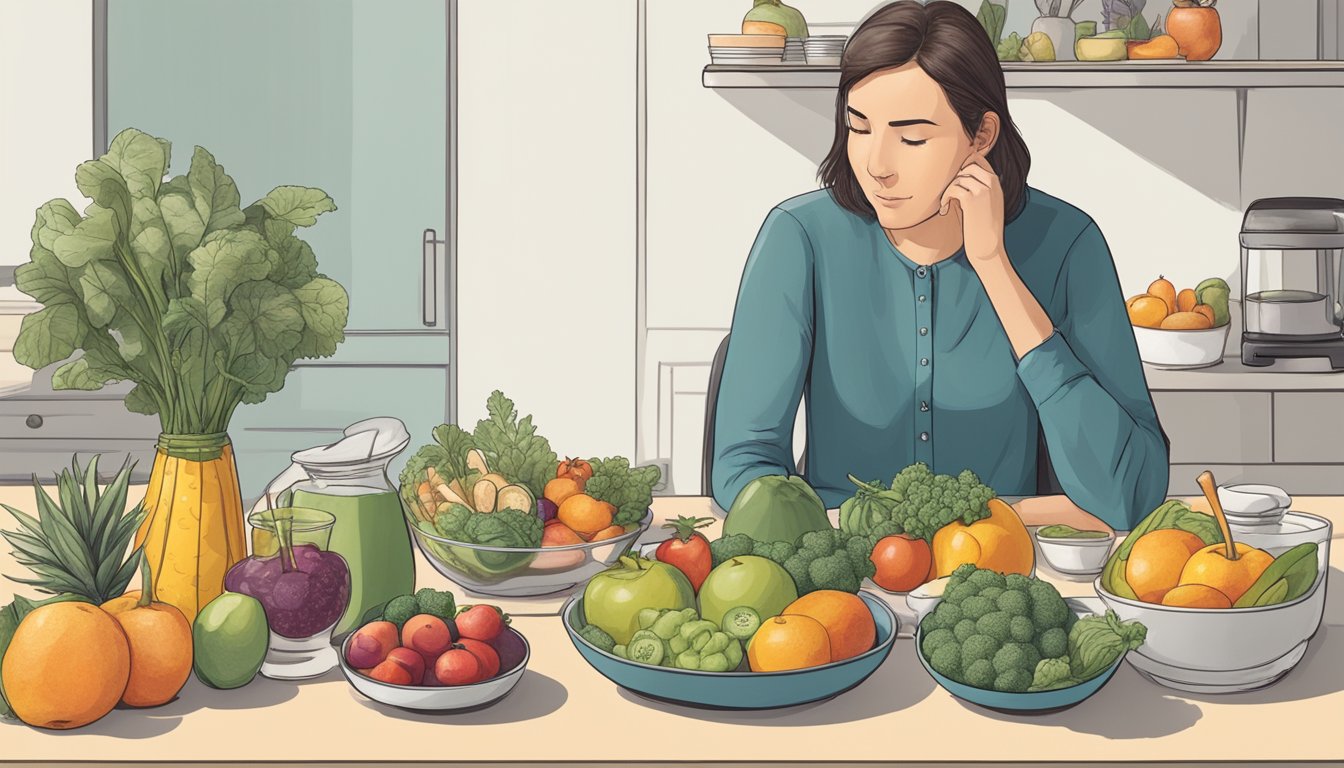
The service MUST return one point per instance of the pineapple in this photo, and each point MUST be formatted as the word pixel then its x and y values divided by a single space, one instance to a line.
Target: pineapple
pixel 78 543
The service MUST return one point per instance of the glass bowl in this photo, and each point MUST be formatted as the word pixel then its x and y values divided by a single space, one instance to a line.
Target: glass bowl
pixel 509 572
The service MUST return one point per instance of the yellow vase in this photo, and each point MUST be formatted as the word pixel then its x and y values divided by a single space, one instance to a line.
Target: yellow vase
pixel 193 527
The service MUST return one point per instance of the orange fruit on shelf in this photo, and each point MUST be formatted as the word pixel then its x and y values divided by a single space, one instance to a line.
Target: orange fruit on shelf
pixel 1146 311
pixel 1186 300
pixel 789 642
pixel 1196 596
pixel 848 623
pixel 1157 558
pixel 1164 290
pixel 67 666
pixel 1207 311
pixel 1186 321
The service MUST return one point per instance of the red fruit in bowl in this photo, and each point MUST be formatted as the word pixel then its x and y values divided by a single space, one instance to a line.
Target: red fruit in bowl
pixel 457 666
pixel 480 622
pixel 412 662
pixel 371 644
pixel 391 672
pixel 485 654
pixel 430 679
pixel 427 635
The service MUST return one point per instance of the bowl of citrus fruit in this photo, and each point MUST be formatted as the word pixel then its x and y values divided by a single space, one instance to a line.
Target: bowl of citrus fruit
pixel 1226 611
pixel 1186 328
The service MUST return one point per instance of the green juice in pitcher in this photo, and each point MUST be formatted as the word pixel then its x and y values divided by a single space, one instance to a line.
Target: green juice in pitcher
pixel 370 533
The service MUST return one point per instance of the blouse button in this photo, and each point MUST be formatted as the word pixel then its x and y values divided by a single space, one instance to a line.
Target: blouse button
pixel 921 298
pixel 923 331
pixel 924 436
pixel 923 361
pixel 924 406
pixel 921 271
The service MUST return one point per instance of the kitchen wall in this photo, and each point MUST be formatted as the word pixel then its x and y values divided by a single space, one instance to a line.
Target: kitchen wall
pixel 1163 172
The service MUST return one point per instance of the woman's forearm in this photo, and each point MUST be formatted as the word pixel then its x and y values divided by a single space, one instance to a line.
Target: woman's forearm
pixel 1050 510
pixel 1023 318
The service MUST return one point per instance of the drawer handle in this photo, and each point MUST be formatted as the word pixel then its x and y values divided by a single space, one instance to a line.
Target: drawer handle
pixel 33 421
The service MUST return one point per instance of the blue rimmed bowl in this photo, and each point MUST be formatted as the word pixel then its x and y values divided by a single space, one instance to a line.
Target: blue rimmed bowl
pixel 737 690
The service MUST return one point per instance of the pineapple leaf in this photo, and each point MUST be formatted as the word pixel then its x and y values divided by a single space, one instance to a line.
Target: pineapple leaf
pixel 53 581
pixel 107 540
pixel 65 543
pixel 91 496
pixel 29 545
pixel 27 522
pixel 72 503
pixel 122 578
pixel 122 532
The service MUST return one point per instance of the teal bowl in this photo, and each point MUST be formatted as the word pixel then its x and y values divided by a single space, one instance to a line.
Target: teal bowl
pixel 1038 703
pixel 737 690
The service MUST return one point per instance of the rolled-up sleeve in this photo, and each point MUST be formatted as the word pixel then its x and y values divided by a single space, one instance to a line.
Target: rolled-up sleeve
pixel 1100 426
pixel 767 361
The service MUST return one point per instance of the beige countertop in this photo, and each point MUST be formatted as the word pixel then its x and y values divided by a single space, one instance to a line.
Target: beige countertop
pixel 564 712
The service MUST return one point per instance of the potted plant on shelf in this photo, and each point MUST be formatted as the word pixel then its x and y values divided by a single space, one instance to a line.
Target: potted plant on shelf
pixel 1127 16
pixel 200 302
pixel 1056 22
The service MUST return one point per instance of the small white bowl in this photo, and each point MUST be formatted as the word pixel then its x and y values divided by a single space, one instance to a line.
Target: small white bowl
pixel 1182 349
pixel 448 698
pixel 1253 506
pixel 924 598
pixel 1076 557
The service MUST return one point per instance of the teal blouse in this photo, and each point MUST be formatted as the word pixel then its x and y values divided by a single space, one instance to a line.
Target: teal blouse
pixel 903 363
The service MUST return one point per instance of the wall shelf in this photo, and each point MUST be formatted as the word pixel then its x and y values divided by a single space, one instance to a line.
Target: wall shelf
pixel 1071 74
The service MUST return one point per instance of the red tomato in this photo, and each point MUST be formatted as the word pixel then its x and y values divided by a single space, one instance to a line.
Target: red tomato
pixel 687 550
pixel 902 563
pixel 480 622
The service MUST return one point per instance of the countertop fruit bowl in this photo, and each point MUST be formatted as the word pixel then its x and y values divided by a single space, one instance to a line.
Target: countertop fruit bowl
pixel 1178 349
pixel 1039 702
pixel 739 690
pixel 521 572
pixel 1227 650
pixel 445 699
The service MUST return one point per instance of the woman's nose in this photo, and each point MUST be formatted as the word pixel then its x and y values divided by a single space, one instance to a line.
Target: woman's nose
pixel 880 165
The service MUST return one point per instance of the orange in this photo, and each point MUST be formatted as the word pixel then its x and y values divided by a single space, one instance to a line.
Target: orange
pixel 1146 311
pixel 67 666
pixel 1196 596
pixel 1156 559
pixel 160 643
pixel 584 514
pixel 1209 566
pixel 788 642
pixel 1198 31
pixel 1185 300
pixel 560 489
pixel 1164 290
pixel 1207 311
pixel 1187 321
pixel 848 622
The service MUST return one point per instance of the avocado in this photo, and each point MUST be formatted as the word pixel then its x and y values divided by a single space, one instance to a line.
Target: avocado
pixel 1217 299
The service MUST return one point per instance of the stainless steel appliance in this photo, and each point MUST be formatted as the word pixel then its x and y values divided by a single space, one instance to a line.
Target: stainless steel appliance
pixel 1291 276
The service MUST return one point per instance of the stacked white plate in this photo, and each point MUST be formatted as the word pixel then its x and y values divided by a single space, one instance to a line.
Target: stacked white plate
pixel 795 50
pixel 824 50
pixel 746 49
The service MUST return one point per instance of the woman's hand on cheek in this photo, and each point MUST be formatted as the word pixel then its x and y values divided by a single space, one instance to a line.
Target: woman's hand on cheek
pixel 976 191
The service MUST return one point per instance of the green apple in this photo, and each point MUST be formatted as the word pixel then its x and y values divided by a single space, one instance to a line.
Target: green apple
pixel 757 582
pixel 613 598
pixel 231 640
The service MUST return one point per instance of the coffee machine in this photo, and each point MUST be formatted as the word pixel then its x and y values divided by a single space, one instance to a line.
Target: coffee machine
pixel 1291 275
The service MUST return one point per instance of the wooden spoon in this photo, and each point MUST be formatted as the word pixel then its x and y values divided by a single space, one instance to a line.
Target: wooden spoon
pixel 1206 482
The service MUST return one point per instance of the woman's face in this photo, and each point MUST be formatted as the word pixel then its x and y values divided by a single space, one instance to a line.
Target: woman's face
pixel 906 144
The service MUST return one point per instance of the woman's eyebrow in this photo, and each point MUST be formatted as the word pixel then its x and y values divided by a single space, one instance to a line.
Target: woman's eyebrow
pixel 856 113
pixel 899 123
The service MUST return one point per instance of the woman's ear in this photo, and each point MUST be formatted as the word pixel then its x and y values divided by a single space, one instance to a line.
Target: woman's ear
pixel 988 135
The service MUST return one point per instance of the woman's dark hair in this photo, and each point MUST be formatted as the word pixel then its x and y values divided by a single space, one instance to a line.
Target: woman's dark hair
pixel 949 44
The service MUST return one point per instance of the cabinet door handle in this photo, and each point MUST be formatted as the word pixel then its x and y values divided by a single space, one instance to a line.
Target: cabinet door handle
pixel 429 278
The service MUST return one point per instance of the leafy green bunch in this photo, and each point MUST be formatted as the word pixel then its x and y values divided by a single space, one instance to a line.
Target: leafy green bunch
pixel 918 503
pixel 173 285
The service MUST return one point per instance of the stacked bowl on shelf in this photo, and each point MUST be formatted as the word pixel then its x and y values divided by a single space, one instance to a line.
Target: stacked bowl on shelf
pixel 747 49
pixel 824 50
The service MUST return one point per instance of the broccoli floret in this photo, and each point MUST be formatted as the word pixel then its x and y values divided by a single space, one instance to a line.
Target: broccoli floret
pixel 985 579
pixel 936 639
pixel 597 638
pixel 960 593
pixel 1021 630
pixel 1048 609
pixel 994 624
pixel 399 610
pixel 991 593
pixel 1013 681
pixel 1016 582
pixel 726 548
pixel 976 606
pixel 797 568
pixel 1013 603
pixel 436 603
pixel 965 630
pixel 1016 656
pixel 977 647
pixel 944 616
pixel 979 674
pixel 860 552
pixel 779 551
pixel 946 660
pixel 1053 642
pixel 834 571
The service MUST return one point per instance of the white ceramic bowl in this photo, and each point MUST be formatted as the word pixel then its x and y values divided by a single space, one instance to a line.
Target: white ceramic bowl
pixel 1252 506
pixel 924 598
pixel 1182 349
pixel 455 698
pixel 1076 557
pixel 1205 650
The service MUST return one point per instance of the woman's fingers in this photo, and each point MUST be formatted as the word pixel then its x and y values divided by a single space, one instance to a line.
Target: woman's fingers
pixel 980 173
pixel 957 191
pixel 974 181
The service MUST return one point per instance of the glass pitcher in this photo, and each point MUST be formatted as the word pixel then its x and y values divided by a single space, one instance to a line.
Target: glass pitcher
pixel 348 479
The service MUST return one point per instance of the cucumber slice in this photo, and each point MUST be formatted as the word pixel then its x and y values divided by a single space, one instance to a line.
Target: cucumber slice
pixel 688 660
pixel 645 650
pixel 741 622
pixel 693 629
pixel 678 644
pixel 649 615
pixel 700 641
pixel 667 625
pixel 619 651
pixel 734 654
pixel 718 642
pixel 714 662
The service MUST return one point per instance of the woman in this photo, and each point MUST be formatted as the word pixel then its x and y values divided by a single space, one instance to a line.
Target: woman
pixel 930 304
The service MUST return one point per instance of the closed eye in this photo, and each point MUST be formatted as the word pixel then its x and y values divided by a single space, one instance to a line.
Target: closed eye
pixel 861 132
pixel 919 143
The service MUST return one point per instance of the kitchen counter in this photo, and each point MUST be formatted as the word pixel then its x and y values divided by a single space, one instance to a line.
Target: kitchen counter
pixel 564 712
